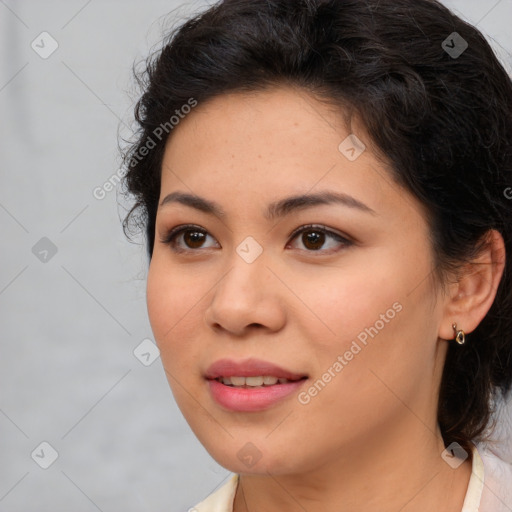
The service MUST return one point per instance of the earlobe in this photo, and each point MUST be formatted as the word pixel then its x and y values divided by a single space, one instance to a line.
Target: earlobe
pixel 474 293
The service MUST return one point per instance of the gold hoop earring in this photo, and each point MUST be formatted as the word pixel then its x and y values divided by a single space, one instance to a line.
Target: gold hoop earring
pixel 460 335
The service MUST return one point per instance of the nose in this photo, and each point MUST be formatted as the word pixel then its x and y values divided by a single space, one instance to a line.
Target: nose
pixel 248 297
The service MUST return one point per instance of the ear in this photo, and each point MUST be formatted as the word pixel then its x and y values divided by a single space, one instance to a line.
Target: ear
pixel 471 296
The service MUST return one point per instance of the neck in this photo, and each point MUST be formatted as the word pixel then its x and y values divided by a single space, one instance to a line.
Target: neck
pixel 401 471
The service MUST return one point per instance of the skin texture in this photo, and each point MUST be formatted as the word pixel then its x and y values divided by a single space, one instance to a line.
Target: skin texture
pixel 369 440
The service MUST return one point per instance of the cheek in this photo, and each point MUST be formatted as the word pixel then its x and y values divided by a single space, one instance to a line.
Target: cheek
pixel 173 301
pixel 343 302
pixel 377 316
pixel 159 299
pixel 172 297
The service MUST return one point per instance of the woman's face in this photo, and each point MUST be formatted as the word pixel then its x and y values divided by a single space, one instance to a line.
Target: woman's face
pixel 347 303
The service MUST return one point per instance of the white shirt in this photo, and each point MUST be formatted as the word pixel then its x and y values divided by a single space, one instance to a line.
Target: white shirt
pixel 489 488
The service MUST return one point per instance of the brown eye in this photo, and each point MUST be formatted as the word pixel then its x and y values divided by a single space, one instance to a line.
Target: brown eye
pixel 313 240
pixel 188 238
pixel 194 239
pixel 320 239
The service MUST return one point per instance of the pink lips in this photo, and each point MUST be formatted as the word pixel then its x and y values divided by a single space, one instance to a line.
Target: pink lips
pixel 247 399
pixel 248 368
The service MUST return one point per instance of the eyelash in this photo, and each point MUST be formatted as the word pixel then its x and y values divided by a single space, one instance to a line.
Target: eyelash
pixel 170 237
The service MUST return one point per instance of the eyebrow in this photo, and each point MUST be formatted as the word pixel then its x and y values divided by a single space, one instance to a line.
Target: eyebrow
pixel 276 209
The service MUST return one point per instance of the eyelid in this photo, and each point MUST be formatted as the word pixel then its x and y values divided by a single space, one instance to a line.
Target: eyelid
pixel 169 237
pixel 324 229
pixel 178 229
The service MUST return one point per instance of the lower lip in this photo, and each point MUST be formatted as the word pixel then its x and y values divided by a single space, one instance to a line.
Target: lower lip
pixel 247 399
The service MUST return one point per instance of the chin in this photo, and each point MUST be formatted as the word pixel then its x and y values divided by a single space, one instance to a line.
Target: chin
pixel 249 458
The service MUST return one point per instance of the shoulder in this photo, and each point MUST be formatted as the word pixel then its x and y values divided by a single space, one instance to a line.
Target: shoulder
pixel 221 500
pixel 497 485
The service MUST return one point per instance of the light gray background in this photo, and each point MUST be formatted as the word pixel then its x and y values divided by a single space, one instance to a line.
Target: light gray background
pixel 68 374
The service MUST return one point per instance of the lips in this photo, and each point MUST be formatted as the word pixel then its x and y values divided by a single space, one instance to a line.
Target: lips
pixel 249 368
pixel 251 397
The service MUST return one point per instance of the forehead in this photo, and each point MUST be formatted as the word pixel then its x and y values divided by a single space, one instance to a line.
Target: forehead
pixel 246 148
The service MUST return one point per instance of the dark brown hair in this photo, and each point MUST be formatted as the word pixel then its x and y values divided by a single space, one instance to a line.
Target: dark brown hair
pixel 439 112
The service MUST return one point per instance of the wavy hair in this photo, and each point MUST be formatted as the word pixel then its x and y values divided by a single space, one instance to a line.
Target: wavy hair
pixel 443 121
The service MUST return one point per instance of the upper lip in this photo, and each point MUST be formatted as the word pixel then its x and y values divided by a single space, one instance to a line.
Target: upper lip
pixel 249 368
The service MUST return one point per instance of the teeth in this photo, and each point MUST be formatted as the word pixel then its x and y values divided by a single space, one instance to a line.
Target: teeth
pixel 253 381
pixel 238 381
pixel 267 380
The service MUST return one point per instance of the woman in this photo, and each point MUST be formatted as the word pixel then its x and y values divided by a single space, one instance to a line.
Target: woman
pixel 325 190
